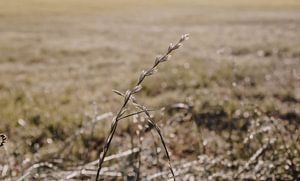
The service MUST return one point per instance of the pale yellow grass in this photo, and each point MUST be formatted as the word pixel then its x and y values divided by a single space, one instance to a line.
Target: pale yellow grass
pixel 69 7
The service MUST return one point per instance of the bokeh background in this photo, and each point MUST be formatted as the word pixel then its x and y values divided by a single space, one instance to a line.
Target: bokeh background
pixel 233 89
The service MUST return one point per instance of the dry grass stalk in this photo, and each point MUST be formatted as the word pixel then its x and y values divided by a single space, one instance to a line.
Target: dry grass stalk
pixel 80 171
pixel 129 96
pixel 34 167
pixel 87 169
pixel 253 159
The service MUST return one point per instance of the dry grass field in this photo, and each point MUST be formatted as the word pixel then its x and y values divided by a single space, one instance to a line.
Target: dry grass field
pixel 228 101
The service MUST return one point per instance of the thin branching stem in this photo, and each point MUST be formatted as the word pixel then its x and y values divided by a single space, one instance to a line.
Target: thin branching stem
pixel 127 97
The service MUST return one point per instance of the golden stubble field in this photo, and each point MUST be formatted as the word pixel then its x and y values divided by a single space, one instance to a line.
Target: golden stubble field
pixel 60 60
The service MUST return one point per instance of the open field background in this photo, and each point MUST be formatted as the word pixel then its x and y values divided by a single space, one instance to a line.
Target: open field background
pixel 239 73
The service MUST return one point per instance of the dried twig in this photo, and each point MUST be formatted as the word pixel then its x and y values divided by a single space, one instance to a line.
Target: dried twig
pixel 83 169
pixel 34 167
pixel 116 156
pixel 253 159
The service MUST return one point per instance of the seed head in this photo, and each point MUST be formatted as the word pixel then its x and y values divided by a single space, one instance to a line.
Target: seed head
pixel 184 37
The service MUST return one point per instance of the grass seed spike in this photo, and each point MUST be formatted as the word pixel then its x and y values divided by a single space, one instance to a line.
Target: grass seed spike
pixel 129 95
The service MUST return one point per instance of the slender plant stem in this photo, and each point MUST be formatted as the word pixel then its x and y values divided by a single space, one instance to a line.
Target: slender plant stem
pixel 128 96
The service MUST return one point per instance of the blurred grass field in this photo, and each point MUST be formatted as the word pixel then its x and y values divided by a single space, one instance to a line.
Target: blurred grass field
pixel 59 58
pixel 48 7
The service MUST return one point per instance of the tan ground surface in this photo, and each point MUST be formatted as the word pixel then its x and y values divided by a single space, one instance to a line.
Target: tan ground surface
pixel 58 57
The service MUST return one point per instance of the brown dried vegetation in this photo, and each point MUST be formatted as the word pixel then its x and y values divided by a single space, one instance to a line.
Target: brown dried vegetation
pixel 226 107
